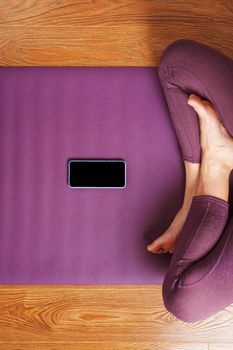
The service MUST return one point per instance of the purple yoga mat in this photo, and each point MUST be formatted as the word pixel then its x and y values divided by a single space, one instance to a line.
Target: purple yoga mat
pixel 53 234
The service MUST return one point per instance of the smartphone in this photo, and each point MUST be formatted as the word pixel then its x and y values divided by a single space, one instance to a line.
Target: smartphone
pixel 93 173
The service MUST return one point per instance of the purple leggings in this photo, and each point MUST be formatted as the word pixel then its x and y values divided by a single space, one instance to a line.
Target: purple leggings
pixel 199 281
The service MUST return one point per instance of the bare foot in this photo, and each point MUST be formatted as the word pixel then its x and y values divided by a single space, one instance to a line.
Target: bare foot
pixel 167 241
pixel 217 145
pixel 216 142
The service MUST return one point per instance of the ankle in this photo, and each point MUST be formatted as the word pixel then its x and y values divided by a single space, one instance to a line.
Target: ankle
pixel 213 168
pixel 179 219
pixel 213 179
pixel 210 161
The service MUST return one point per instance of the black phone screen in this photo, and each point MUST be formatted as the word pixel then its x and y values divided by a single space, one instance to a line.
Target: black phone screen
pixel 97 173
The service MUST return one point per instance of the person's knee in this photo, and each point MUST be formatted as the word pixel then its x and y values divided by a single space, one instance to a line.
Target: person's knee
pixel 183 311
pixel 174 54
pixel 183 303
pixel 177 49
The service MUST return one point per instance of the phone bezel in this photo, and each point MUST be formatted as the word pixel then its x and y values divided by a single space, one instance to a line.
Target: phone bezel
pixel 96 160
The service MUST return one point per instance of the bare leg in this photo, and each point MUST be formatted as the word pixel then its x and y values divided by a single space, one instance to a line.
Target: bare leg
pixel 166 242
pixel 213 180
pixel 217 153
pixel 191 180
pixel 215 159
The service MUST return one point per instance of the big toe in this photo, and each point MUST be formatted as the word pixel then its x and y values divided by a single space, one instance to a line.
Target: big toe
pixel 156 246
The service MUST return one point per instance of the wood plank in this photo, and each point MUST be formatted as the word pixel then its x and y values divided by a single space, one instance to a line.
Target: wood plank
pixel 110 12
pixel 221 346
pixel 104 346
pixel 100 314
pixel 107 33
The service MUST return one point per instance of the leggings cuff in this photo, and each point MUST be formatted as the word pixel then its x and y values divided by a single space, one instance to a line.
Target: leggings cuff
pixel 213 198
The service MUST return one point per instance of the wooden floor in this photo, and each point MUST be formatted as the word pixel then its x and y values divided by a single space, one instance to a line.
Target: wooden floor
pixel 105 33
pixel 103 317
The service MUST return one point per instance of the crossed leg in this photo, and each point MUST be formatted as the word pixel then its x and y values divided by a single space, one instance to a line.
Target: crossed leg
pixel 186 67
pixel 199 281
